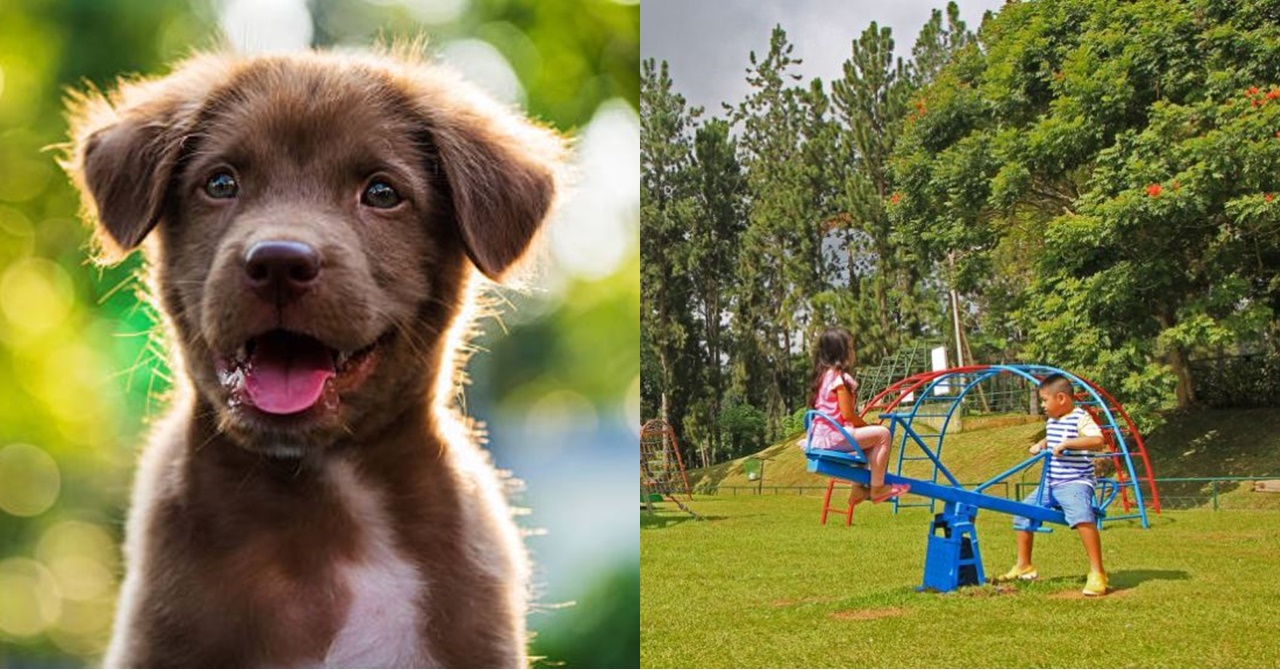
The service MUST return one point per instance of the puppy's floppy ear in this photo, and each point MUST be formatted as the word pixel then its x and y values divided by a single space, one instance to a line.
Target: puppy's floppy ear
pixel 503 171
pixel 125 149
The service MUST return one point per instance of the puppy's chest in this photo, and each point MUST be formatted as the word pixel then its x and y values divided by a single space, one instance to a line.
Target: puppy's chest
pixel 382 624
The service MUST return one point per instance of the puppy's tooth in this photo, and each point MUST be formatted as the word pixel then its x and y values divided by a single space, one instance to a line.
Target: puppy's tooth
pixel 242 354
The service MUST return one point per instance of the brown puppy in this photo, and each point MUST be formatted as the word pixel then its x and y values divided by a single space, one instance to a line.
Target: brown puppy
pixel 313 223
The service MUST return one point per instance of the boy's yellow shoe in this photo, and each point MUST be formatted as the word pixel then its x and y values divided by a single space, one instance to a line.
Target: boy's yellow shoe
pixel 1096 585
pixel 1025 574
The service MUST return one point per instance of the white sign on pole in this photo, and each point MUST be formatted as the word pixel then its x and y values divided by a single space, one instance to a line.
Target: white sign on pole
pixel 939 356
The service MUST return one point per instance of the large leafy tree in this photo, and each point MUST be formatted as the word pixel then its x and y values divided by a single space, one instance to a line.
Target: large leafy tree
pixel 780 262
pixel 1117 161
pixel 667 208
pixel 871 100
pixel 718 192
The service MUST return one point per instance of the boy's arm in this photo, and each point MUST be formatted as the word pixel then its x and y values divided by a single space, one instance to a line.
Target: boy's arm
pixel 1039 446
pixel 1090 437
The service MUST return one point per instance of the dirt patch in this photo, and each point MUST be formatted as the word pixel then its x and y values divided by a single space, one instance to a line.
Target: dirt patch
pixel 864 615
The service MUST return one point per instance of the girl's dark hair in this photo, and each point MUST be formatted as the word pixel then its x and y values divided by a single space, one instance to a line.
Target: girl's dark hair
pixel 834 349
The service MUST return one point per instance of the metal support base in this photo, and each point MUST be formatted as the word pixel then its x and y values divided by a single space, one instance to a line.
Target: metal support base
pixel 952 558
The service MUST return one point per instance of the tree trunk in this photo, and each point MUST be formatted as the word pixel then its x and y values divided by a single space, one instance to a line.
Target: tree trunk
pixel 882 309
pixel 666 384
pixel 1184 391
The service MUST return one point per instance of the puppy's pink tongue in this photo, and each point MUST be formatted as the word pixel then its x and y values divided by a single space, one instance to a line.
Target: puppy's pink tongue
pixel 286 374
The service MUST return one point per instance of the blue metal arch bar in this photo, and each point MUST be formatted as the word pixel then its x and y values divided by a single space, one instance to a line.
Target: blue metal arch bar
pixel 969 379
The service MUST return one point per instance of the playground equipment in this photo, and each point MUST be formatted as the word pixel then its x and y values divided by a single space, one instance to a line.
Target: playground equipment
pixel 662 473
pixel 933 398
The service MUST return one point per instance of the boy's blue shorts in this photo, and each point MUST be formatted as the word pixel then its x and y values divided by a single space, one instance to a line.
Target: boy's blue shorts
pixel 1075 499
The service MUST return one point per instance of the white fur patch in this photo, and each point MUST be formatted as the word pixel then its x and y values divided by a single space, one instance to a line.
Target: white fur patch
pixel 383 622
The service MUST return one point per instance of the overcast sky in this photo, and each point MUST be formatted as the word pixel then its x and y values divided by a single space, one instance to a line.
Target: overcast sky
pixel 707 42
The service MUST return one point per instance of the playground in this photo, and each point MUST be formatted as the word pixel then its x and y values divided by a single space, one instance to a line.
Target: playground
pixel 762 584
pixel 742 578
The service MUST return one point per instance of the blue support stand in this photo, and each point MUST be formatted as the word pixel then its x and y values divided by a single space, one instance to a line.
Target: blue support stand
pixel 952 558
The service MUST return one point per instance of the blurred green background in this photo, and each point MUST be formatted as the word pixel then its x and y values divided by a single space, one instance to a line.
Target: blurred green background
pixel 80 371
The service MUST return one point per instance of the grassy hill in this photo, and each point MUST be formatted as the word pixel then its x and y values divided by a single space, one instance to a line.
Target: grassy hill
pixel 1204 443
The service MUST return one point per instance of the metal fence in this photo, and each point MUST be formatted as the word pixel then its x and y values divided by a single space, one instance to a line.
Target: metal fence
pixel 1219 493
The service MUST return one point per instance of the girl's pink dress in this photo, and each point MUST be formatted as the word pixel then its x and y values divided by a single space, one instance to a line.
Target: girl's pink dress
pixel 824 435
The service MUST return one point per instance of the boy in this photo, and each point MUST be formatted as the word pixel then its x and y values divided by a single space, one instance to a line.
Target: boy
pixel 1070 480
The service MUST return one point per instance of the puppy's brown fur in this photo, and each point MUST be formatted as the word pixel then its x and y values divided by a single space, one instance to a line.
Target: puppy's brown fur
pixel 368 529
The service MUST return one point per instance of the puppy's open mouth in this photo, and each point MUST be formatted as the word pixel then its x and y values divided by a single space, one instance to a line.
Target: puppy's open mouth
pixel 280 372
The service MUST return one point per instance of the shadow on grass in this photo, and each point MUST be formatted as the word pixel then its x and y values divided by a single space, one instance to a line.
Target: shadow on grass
pixel 666 520
pixel 1127 579
pixel 1068 586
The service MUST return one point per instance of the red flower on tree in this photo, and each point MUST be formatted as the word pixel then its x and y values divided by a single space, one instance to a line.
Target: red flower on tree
pixel 1268 197
pixel 1253 90
pixel 895 198
pixel 1153 190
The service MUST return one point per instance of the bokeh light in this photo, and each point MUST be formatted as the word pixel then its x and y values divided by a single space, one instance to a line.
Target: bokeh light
pixel 30 172
pixel 262 26
pixel 591 237
pixel 29 480
pixel 35 296
pixel 631 406
pixel 436 12
pixel 485 66
pixel 31 599
pixel 82 558
pixel 560 408
pixel 17 237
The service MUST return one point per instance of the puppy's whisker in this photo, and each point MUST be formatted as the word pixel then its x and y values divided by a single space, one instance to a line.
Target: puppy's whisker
pixel 132 279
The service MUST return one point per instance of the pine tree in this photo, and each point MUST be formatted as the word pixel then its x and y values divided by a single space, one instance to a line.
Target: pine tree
pixel 666 210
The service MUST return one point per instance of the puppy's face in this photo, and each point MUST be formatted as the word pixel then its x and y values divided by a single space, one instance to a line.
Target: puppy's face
pixel 317 219
pixel 308 238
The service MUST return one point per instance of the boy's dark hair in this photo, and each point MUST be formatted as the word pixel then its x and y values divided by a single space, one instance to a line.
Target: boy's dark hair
pixel 1057 383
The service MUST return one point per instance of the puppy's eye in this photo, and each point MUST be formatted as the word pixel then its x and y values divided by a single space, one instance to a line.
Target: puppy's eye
pixel 222 185
pixel 379 194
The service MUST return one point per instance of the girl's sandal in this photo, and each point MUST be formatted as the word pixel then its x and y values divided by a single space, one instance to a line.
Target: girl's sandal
pixel 894 491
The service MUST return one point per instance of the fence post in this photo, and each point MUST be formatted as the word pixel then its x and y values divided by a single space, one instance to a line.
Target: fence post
pixel 1215 495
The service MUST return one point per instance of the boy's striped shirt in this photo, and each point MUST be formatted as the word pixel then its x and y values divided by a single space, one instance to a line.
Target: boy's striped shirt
pixel 1065 469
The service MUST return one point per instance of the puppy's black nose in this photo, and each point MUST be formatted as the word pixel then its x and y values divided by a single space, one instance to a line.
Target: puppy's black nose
pixel 281 270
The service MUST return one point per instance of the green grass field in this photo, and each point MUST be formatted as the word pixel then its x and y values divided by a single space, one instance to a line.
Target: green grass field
pixel 761 584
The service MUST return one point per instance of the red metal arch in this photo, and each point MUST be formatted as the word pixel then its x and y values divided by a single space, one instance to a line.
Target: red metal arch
pixel 888 400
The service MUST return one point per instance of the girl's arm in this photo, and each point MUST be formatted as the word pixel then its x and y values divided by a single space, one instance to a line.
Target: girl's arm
pixel 847 410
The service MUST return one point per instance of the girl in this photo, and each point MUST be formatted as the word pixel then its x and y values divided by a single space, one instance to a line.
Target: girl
pixel 834 391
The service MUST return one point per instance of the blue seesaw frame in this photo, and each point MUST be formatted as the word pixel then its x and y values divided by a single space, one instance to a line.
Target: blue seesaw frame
pixel 952 558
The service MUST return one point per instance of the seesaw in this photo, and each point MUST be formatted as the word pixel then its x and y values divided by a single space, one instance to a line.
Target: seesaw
pixel 952 558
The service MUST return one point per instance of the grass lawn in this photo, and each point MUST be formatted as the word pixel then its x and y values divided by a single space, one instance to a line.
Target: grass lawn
pixel 761 584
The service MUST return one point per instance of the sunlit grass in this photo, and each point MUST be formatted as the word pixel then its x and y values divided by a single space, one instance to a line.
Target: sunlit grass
pixel 762 584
